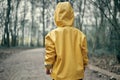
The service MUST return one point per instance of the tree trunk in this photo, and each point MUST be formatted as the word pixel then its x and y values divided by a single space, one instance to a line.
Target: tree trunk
pixel 117 29
pixel 81 11
pixel 43 23
pixel 96 28
pixel 32 16
pixel 102 30
pixel 14 35
pixel 23 23
pixel 6 29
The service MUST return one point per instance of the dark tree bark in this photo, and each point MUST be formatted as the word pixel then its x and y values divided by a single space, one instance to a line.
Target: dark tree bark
pixel 115 26
pixel 81 13
pixel 2 24
pixel 43 17
pixel 32 27
pixel 14 34
pixel 6 41
pixel 102 27
pixel 23 22
pixel 117 29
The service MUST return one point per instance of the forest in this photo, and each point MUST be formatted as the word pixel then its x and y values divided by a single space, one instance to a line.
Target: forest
pixel 26 22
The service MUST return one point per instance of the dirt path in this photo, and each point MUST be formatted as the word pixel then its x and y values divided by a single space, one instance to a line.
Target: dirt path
pixel 28 65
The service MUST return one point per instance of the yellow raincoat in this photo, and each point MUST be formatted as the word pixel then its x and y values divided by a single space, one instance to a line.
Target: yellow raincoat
pixel 66 47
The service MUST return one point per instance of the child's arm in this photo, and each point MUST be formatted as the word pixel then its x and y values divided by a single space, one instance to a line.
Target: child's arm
pixel 84 51
pixel 50 53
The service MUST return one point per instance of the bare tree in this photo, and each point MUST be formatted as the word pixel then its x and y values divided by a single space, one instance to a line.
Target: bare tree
pixel 80 4
pixel 43 17
pixel 6 39
pixel 111 13
pixel 32 26
pixel 2 20
pixel 23 21
pixel 14 33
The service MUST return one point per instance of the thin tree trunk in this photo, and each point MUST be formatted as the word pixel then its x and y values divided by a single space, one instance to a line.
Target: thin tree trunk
pixel 43 23
pixel 81 12
pixel 102 30
pixel 2 23
pixel 7 20
pixel 23 23
pixel 14 35
pixel 32 16
pixel 38 35
pixel 116 35
pixel 96 35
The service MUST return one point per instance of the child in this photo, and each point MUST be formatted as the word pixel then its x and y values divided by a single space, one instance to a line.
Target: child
pixel 66 47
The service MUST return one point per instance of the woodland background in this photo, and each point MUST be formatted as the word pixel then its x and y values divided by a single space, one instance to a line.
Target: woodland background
pixel 24 23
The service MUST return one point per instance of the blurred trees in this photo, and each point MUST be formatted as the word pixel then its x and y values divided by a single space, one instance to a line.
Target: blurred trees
pixel 108 27
pixel 32 18
pixel 6 36
pixel 14 31
pixel 80 8
pixel 26 22
pixel 23 22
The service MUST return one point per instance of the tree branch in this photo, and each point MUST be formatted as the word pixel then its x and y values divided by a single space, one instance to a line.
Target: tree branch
pixel 114 25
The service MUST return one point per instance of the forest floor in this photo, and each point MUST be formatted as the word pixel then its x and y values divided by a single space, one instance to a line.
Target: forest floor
pixel 106 61
pixel 27 64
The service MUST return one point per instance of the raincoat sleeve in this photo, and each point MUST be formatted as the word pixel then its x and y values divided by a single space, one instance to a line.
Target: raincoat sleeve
pixel 50 51
pixel 84 51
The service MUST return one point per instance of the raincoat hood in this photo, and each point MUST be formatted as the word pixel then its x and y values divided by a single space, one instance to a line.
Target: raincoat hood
pixel 64 14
